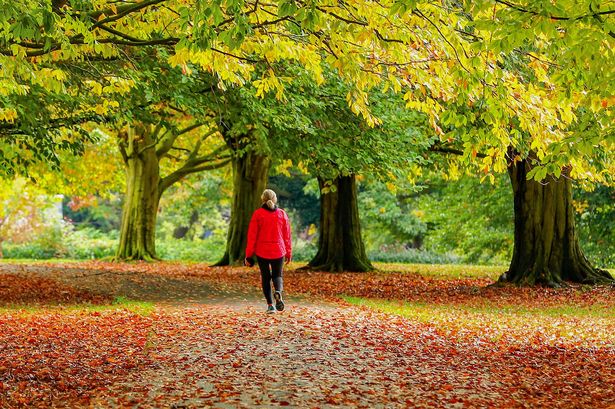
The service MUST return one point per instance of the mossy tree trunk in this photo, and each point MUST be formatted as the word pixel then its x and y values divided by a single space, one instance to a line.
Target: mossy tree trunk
pixel 138 227
pixel 142 147
pixel 546 246
pixel 250 172
pixel 340 246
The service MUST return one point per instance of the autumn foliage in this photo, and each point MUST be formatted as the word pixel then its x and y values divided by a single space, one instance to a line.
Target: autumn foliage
pixel 415 340
pixel 54 358
pixel 31 289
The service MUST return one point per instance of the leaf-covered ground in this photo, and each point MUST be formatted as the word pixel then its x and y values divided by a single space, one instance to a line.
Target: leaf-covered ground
pixel 172 335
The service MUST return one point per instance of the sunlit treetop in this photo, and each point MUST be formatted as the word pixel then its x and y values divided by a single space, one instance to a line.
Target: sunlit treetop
pixel 437 54
pixel 314 128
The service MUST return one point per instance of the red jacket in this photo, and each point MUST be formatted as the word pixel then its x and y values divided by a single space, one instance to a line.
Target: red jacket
pixel 269 234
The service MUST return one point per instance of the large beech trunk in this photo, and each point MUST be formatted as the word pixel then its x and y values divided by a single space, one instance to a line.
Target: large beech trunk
pixel 340 246
pixel 142 147
pixel 249 180
pixel 138 228
pixel 546 248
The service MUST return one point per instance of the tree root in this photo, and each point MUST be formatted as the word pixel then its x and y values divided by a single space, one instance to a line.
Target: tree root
pixel 143 257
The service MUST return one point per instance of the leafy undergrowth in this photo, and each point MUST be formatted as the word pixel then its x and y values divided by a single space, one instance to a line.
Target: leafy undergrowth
pixel 413 338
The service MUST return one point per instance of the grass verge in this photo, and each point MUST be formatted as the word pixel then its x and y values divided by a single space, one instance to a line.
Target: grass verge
pixel 582 325
pixel 443 271
pixel 142 308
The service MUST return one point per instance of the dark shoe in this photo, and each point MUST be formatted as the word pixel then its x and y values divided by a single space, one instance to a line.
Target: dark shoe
pixel 271 309
pixel 279 304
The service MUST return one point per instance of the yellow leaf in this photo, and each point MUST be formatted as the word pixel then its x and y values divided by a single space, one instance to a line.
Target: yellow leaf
pixel 8 115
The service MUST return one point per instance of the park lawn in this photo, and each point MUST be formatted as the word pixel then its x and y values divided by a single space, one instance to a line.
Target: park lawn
pixel 30 261
pixel 143 308
pixel 444 271
pixel 589 326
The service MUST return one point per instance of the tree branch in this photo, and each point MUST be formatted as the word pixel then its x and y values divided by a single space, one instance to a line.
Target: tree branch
pixel 452 151
pixel 146 147
pixel 235 56
pixel 40 50
pixel 210 166
pixel 197 147
pixel 121 12
pixel 346 20
pixel 559 18
pixel 419 13
pixel 180 173
pixel 195 161
pixel 120 34
pixel 167 143
pixel 121 143
pixel 388 40
pixel 190 128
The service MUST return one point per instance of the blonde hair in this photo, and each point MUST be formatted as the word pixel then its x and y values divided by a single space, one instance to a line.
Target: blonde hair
pixel 269 198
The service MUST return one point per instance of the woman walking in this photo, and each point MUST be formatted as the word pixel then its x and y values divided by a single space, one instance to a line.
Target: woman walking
pixel 269 239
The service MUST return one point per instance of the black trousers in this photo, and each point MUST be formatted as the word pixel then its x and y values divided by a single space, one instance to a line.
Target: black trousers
pixel 271 270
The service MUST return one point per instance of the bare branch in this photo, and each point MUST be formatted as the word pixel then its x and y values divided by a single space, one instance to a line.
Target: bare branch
pixel 190 128
pixel 559 18
pixel 235 56
pixel 419 13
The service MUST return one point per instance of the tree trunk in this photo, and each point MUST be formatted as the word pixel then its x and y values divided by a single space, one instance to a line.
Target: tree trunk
pixel 249 180
pixel 138 228
pixel 546 248
pixel 340 246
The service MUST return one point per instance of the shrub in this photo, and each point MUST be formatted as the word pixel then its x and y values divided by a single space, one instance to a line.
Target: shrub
pixel 412 256
pixel 35 251
pixel 89 243
pixel 209 250
pixel 304 250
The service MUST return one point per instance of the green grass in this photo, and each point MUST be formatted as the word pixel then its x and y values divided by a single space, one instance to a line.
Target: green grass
pixel 445 271
pixel 38 261
pixel 120 303
pixel 590 326
pixel 429 270
pixel 425 312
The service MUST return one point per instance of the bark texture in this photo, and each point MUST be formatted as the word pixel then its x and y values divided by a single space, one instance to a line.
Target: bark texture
pixel 249 180
pixel 340 246
pixel 142 147
pixel 138 228
pixel 546 246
